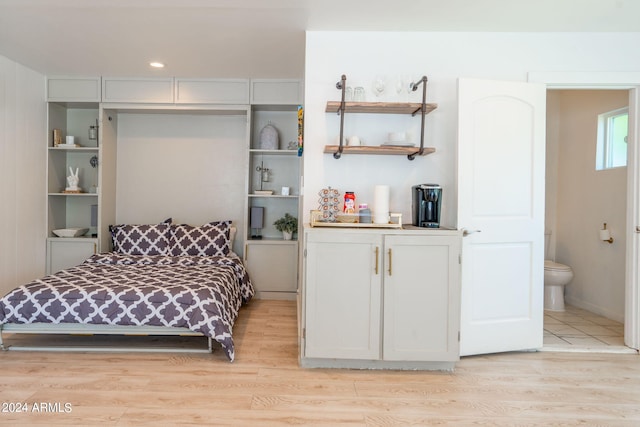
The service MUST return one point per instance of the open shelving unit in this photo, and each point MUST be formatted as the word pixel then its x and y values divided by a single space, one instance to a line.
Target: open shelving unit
pixel 266 247
pixel 341 107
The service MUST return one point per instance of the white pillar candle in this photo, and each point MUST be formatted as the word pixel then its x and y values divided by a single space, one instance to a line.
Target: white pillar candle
pixel 381 204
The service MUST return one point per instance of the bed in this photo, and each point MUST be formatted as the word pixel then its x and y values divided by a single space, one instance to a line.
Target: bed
pixel 161 279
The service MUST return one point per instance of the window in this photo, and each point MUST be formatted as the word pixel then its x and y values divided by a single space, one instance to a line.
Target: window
pixel 612 139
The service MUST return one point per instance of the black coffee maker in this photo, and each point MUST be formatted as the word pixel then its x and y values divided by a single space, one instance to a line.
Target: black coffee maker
pixel 427 201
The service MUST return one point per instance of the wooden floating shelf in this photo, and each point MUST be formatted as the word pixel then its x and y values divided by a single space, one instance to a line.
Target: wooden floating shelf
pixel 386 150
pixel 380 107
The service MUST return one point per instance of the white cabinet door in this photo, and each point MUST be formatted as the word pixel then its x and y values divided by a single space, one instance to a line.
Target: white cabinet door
pixel 276 91
pixel 342 295
pixel 421 298
pixel 501 149
pixel 273 268
pixel 212 91
pixel 65 253
pixel 73 89
pixel 158 90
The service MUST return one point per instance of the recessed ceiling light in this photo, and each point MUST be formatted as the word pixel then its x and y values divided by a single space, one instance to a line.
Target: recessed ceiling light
pixel 156 64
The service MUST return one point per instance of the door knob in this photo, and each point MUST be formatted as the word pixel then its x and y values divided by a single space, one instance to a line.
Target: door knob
pixel 466 232
pixel 637 228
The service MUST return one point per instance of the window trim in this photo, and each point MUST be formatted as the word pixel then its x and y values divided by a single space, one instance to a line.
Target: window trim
pixel 604 146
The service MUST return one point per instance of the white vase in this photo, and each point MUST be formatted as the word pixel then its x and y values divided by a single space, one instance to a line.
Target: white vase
pixel 287 235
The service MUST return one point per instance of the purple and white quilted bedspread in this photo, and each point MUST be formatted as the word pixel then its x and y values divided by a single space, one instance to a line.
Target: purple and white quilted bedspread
pixel 200 293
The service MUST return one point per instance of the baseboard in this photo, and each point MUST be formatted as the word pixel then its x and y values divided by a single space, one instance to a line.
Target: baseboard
pixel 576 302
pixel 288 296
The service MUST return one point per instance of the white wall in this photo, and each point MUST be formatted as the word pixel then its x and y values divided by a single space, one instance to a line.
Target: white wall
pixel 443 57
pixel 585 199
pixel 22 174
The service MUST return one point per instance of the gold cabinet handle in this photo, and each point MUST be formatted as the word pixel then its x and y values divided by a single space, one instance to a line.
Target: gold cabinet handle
pixel 246 252
pixel 390 263
pixel 377 256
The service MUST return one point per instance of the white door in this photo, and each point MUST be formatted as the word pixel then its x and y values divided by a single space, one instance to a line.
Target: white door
pixel 501 150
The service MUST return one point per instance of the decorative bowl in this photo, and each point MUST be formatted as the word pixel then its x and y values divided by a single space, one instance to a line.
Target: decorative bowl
pixel 70 232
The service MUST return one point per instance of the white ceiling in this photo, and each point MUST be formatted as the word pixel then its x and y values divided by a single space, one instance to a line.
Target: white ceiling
pixel 256 38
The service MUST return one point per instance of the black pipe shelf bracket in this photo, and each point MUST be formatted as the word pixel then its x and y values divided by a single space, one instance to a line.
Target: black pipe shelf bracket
pixel 341 85
pixel 381 108
pixel 423 113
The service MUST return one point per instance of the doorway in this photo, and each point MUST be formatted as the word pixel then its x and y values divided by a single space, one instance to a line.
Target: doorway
pixel 620 304
pixel 484 322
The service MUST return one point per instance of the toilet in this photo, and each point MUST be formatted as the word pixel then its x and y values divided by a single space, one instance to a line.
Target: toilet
pixel 556 276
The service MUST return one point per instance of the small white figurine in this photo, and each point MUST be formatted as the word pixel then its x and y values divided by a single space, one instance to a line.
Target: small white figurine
pixel 73 180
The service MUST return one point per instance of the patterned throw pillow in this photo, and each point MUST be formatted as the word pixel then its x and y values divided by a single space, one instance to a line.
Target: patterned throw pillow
pixel 146 239
pixel 211 239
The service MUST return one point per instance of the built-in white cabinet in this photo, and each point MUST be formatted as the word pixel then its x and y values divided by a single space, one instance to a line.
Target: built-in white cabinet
pixel 273 174
pixel 211 91
pixel 178 90
pixel 381 298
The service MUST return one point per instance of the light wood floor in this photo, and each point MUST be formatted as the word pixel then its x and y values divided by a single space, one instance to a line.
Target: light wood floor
pixel 265 386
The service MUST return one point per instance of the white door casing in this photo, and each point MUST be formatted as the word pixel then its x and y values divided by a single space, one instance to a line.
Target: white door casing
pixel 501 172
pixel 632 275
pixel 629 80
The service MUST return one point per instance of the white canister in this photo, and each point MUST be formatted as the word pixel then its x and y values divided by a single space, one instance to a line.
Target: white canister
pixel 353 141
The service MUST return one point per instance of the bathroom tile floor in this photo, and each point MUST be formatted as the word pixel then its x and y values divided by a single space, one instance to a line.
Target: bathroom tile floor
pixel 576 329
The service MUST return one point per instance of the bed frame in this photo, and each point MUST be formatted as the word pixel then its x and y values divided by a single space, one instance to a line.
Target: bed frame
pixel 89 329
